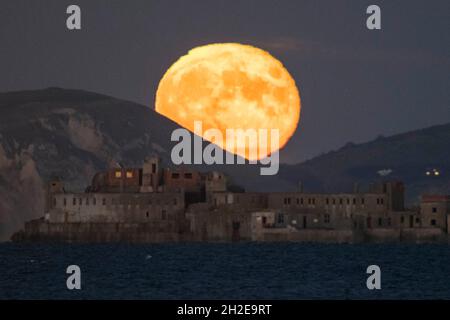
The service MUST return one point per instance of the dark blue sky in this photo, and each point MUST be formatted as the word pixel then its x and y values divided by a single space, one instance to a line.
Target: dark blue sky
pixel 355 84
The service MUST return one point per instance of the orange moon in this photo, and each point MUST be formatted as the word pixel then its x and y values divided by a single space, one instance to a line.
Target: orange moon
pixel 230 86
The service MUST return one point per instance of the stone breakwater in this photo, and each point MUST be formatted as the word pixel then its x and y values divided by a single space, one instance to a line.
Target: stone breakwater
pixel 220 228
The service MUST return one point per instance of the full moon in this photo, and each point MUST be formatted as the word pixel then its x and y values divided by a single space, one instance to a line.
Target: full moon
pixel 230 86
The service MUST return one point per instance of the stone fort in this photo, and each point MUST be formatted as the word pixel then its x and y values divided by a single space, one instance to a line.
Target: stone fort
pixel 155 204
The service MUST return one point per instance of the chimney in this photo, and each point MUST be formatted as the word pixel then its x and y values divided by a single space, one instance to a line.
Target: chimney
pixel 300 186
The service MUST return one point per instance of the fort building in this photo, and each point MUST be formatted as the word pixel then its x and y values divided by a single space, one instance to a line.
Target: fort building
pixel 155 204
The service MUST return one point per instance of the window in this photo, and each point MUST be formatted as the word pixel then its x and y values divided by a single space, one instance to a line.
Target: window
pixel 80 201
pixel 65 202
pixel 175 201
pixel 118 174
pixel 147 214
pixel 378 201
pixel 104 201
pixel 163 215
pixel 264 220
pixel 175 175
pixel 280 218
pixel 340 201
pixel 434 209
pixel 298 201
pixel 326 218
pixel 87 201
pixel 188 175
pixel 334 201
pixel 402 219
pixel 389 221
pixel 354 201
pixel 433 222
pixel 153 168
pixel 348 201
pixel 301 201
pixel 54 202
pixel 382 201
pixel 94 200
pixel 417 220
pixel 129 174
pixel 362 201
pixel 380 222
pixel 328 201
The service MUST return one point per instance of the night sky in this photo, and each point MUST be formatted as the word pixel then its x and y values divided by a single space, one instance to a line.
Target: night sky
pixel 355 84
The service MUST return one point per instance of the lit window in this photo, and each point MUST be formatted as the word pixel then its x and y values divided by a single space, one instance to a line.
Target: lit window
pixel 118 174
pixel 129 174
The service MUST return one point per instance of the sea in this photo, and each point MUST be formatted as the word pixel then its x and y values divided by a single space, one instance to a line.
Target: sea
pixel 225 271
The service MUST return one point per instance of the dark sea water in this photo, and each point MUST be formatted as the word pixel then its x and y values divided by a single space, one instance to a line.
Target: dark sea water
pixel 224 271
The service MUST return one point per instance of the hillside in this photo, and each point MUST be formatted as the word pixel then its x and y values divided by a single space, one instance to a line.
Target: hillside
pixel 406 157
pixel 72 134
